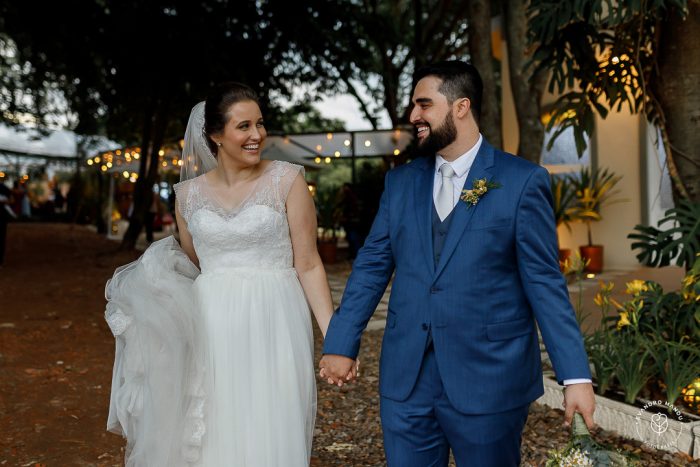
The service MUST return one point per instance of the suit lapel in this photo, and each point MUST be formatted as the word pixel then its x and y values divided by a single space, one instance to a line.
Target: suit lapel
pixel 481 168
pixel 423 202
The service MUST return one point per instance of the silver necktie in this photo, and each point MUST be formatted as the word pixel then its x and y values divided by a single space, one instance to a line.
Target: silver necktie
pixel 444 203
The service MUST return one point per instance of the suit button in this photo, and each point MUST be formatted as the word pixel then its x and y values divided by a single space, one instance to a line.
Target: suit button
pixel 434 290
pixel 424 326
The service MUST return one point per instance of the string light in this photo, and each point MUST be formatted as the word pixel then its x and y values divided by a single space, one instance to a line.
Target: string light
pixel 337 154
pixel 329 136
pixel 319 147
pixel 328 160
pixel 161 153
pixel 317 160
pixel 368 143
pixel 89 162
pixel 346 142
pixel 396 152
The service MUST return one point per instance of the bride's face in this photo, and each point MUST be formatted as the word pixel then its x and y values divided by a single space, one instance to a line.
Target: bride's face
pixel 244 134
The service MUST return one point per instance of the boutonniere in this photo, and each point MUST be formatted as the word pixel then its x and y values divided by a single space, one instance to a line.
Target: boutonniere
pixel 479 189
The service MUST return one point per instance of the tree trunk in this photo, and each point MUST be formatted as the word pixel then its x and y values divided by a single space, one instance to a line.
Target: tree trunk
pixel 527 89
pixel 480 51
pixel 678 94
pixel 154 132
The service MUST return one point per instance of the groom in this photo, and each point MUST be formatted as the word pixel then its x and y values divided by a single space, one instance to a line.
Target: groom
pixel 473 272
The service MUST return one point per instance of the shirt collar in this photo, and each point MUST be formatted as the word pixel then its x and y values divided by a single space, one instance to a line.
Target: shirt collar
pixel 463 163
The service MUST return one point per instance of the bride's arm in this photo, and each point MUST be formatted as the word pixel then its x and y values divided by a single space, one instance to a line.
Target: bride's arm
pixel 301 215
pixel 185 237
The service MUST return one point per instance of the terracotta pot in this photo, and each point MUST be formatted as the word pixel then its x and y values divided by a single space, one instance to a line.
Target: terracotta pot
pixel 564 254
pixel 328 250
pixel 594 254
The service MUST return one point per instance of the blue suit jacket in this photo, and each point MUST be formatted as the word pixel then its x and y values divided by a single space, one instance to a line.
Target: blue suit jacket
pixel 497 275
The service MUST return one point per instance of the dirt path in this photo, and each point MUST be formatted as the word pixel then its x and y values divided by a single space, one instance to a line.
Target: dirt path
pixel 55 349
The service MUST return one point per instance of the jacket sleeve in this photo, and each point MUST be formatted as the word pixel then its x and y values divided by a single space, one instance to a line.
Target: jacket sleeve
pixel 371 272
pixel 542 281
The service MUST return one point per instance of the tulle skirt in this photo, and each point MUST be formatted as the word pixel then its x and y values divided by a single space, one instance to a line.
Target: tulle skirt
pixel 259 368
pixel 212 369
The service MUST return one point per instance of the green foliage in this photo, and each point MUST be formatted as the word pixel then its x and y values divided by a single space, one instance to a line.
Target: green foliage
pixel 633 367
pixel 677 364
pixel 600 55
pixel 351 46
pixel 680 241
pixel 655 337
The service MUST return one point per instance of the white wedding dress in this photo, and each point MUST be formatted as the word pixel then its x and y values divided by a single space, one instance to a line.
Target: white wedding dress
pixel 216 368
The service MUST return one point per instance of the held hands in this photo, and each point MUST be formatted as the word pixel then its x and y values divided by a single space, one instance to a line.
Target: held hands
pixel 579 398
pixel 339 369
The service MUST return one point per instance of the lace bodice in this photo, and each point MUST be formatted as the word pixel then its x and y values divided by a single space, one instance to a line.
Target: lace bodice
pixel 255 234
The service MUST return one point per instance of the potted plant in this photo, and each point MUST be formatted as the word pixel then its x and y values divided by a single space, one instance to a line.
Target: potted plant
pixel 328 223
pixel 563 197
pixel 593 189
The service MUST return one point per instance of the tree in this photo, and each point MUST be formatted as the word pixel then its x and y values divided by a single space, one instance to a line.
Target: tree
pixel 526 82
pixel 302 117
pixel 481 54
pixel 642 54
pixel 133 69
pixel 375 44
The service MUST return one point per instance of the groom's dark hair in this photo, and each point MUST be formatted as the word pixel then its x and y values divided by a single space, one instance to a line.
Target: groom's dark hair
pixel 459 79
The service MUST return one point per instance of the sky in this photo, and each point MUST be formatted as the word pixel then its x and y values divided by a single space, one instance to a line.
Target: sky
pixel 346 108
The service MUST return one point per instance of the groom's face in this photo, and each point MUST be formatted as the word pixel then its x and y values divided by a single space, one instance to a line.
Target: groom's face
pixel 432 117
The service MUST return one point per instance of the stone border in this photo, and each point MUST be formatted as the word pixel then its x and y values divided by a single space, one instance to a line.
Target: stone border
pixel 615 416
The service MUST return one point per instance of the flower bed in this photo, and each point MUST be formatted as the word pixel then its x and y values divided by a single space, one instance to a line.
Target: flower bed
pixel 646 350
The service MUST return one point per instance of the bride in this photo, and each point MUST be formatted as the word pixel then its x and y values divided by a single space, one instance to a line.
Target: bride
pixel 214 358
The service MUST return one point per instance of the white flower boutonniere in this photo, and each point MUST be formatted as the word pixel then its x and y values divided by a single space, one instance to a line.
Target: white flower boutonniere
pixel 479 189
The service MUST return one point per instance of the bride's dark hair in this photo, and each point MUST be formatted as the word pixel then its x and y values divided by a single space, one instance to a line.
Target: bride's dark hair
pixel 219 100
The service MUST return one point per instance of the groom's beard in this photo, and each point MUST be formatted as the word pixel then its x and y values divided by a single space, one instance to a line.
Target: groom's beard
pixel 439 138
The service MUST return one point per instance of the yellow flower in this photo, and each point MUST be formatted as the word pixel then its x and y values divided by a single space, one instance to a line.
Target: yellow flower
pixel 600 299
pixel 623 321
pixel 636 287
pixel 616 304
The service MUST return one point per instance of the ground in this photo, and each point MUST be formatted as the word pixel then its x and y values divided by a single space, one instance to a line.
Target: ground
pixel 56 355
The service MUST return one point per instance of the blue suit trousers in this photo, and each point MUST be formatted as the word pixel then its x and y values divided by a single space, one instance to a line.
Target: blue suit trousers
pixel 421 431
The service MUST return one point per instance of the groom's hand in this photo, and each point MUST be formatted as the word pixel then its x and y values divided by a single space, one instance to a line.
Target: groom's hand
pixel 579 398
pixel 337 369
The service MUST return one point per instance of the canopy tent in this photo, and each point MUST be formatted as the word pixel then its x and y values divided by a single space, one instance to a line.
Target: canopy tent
pixel 312 150
pixel 22 149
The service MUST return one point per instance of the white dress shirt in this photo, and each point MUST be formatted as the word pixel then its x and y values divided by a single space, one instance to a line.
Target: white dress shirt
pixel 461 166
